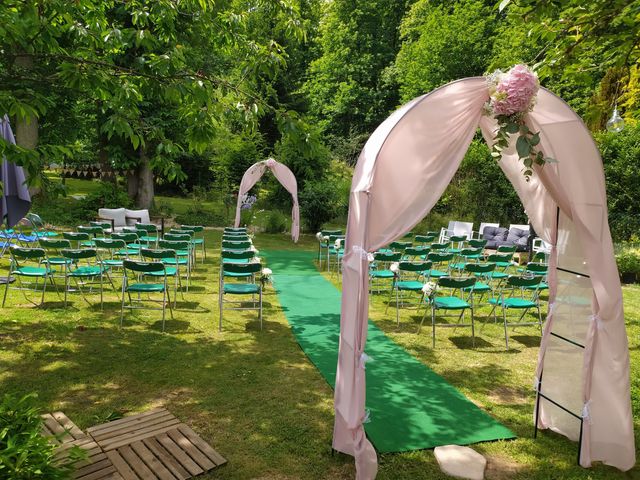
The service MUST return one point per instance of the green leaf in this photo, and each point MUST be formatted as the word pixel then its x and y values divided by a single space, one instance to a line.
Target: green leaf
pixel 512 127
pixel 535 139
pixel 522 147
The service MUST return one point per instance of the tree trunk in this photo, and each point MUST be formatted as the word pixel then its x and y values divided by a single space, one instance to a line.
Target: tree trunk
pixel 26 129
pixel 144 198
pixel 132 184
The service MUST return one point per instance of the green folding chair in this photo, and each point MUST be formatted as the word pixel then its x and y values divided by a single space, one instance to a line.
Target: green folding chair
pixel 466 255
pixel 236 245
pixel 140 287
pixel 482 273
pixel 28 266
pixel 455 294
pixel 148 234
pixel 502 263
pixel 519 293
pixel 441 262
pixel 81 239
pixel 237 256
pixel 38 227
pixel 412 254
pixel 171 270
pixel 182 257
pixel 424 239
pixel 455 243
pixel 324 244
pixel 132 244
pixel 111 251
pixel 86 269
pixel 250 287
pixel 379 272
pixel 477 243
pixel 407 280
pixel 197 239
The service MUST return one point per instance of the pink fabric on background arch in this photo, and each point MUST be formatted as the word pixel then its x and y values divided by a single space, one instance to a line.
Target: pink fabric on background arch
pixel 403 170
pixel 284 176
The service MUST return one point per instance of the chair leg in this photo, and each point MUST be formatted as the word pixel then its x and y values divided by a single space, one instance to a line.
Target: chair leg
pixel 506 332
pixel 101 293
pixel 433 326
pixel 260 310
pixel 44 289
pixel 66 289
pixel 397 306
pixel 473 329
pixel 164 304
pixel 220 302
pixel 6 289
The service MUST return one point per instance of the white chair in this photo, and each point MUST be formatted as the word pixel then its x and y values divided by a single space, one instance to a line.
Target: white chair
pixel 456 229
pixel 116 216
pixel 478 235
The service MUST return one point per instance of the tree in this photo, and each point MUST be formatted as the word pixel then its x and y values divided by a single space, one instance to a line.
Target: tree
pixel 443 41
pixel 347 86
pixel 162 74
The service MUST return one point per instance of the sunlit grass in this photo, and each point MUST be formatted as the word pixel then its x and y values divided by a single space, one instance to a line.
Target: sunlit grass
pixel 253 395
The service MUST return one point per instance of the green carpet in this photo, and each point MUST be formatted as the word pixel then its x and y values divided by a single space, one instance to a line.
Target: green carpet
pixel 411 407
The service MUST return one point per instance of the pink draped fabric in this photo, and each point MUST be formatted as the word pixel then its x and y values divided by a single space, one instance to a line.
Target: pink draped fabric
pixel 284 176
pixel 403 170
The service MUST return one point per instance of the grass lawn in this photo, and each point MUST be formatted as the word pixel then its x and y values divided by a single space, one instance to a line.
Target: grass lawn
pixel 253 395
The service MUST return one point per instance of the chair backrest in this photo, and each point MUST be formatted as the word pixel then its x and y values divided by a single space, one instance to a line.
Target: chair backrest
pixel 327 233
pixel 91 229
pixel 483 225
pixel 241 267
pixel 468 252
pixel 424 238
pixel 128 237
pixel 116 214
pixel 414 266
pixel 144 267
pixel 439 246
pixel 147 227
pixel 237 254
pixel 235 230
pixel 462 229
pixel 498 257
pixel 520 281
pixel 181 231
pixel 109 243
pixel 401 246
pixel 79 254
pixel 76 236
pixel 194 228
pixel 408 235
pixel 440 257
pixel 137 216
pixel 387 257
pixel 25 253
pixel 174 244
pixel 334 237
pixel 537 268
pixel 479 268
pixel 539 257
pixel 457 238
pixel 243 245
pixel 236 238
pixel 506 249
pixel 524 227
pixel 456 283
pixel 417 251
pixel 103 225
pixel 177 237
pixel 158 254
pixel 54 243
pixel 477 243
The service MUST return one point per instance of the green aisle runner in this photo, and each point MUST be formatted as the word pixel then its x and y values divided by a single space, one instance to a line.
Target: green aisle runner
pixel 411 406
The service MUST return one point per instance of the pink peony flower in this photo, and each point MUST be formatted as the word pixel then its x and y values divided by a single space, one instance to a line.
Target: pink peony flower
pixel 515 91
pixel 270 163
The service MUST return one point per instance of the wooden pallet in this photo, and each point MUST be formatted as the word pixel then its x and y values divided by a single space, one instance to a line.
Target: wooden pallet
pixel 151 445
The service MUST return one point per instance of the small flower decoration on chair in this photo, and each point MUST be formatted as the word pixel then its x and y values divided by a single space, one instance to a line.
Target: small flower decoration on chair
pixel 512 96
pixel 266 276
pixel 429 290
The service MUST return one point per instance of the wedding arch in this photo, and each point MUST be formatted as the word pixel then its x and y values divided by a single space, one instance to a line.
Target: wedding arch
pixel 284 176
pixel 582 377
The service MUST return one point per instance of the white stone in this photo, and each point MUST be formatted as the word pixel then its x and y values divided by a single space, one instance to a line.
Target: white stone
pixel 460 462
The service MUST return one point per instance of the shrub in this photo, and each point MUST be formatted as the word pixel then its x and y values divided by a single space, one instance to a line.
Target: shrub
pixel 276 222
pixel 628 261
pixel 196 215
pixel 107 195
pixel 319 203
pixel 24 452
